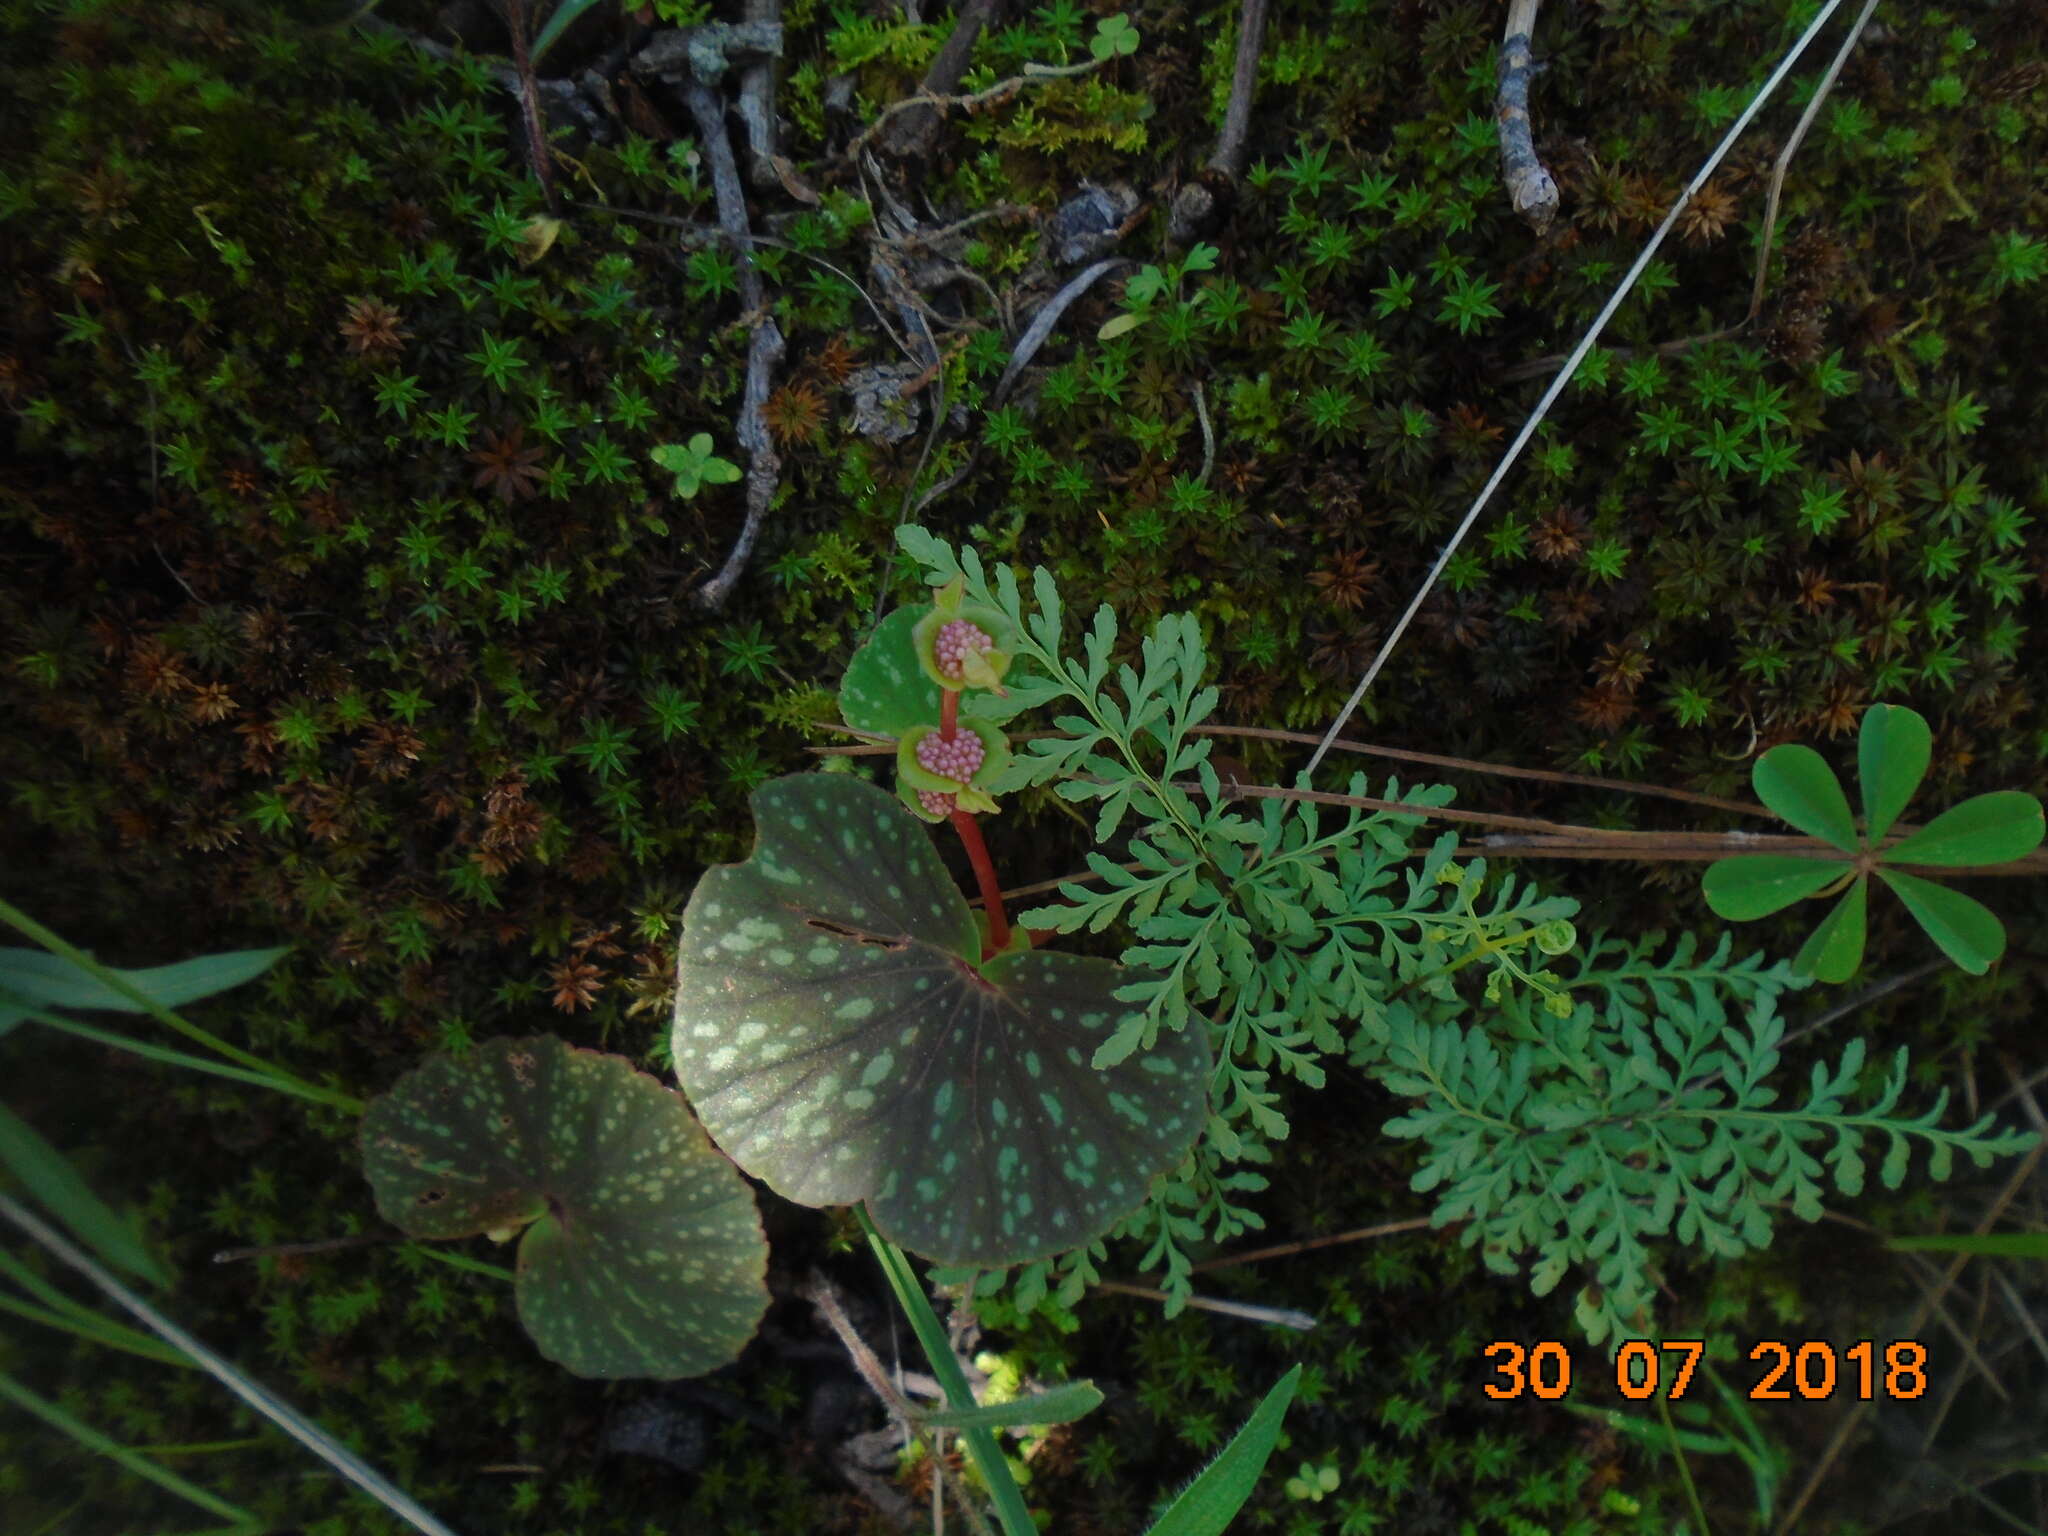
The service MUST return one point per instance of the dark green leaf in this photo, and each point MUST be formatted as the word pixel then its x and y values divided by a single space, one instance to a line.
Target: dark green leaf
pixel 643 1253
pixel 45 980
pixel 1799 786
pixel 836 1032
pixel 1834 949
pixel 49 1177
pixel 1892 753
pixel 1753 885
pixel 1963 926
pixel 1208 1504
pixel 1987 829
pixel 564 16
pixel 1056 1405
pixel 884 688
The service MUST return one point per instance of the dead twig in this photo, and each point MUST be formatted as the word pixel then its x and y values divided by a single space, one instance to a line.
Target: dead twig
pixel 535 121
pixel 565 97
pixel 1043 322
pixel 1538 366
pixel 294 1250
pixel 695 234
pixel 1310 1244
pixel 764 349
pixel 913 128
pixel 1203 203
pixel 1279 1317
pixel 757 98
pixel 1820 94
pixel 1530 186
pixel 819 1292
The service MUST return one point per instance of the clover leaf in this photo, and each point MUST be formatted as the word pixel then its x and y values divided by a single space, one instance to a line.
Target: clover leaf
pixel 1894 748
pixel 840 1041
pixel 643 1253
pixel 1114 35
pixel 694 465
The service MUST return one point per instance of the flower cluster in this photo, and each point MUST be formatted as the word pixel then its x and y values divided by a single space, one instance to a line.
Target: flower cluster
pixel 944 768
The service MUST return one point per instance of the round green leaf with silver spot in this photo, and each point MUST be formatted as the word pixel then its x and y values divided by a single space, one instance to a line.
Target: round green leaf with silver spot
pixel 838 1038
pixel 643 1253
pixel 886 689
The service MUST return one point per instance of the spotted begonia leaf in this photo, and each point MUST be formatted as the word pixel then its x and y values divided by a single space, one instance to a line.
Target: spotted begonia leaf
pixel 884 689
pixel 838 1037
pixel 643 1253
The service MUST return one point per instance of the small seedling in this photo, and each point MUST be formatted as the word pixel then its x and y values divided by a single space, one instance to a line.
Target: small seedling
pixel 1114 37
pixel 694 465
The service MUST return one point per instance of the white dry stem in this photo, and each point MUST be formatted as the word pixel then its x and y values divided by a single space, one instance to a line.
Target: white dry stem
pixel 1571 367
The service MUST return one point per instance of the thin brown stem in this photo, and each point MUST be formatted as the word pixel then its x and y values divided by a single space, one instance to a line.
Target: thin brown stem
pixel 1784 161
pixel 287 1250
pixel 878 743
pixel 1310 1244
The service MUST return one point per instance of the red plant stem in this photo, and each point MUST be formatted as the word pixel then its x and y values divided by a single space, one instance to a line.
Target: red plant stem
pixel 985 876
pixel 949 713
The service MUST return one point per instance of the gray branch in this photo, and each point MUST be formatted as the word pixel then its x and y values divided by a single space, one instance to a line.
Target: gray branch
pixel 910 133
pixel 1202 203
pixel 764 350
pixel 1530 186
pixel 757 97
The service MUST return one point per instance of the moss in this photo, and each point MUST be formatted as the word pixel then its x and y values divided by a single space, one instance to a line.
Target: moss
pixel 346 606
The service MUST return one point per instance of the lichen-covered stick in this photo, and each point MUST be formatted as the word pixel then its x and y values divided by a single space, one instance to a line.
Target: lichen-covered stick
pixel 1530 186
pixel 757 98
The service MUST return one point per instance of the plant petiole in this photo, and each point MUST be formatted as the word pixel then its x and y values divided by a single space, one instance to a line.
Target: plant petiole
pixel 985 876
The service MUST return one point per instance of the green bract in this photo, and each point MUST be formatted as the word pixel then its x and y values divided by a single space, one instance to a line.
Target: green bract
pixel 979 669
pixel 643 1253
pixel 912 776
pixel 888 691
pixel 836 1035
pixel 1892 754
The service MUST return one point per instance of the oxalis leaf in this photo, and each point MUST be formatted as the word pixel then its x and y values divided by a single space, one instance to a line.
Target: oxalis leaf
pixel 840 1041
pixel 643 1253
